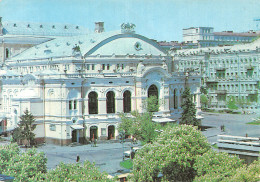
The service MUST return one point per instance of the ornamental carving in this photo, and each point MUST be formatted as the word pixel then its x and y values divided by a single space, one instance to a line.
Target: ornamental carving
pixel 127 27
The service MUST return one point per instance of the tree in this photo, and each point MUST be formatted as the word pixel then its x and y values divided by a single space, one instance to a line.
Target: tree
pixel 23 166
pixel 152 104
pixel 189 110
pixel 25 128
pixel 73 172
pixel 140 125
pixel 232 103
pixel 246 173
pixel 204 101
pixel 216 166
pixel 173 153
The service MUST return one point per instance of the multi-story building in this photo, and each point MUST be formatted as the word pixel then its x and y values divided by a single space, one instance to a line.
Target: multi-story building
pixel 227 72
pixel 76 86
pixel 206 37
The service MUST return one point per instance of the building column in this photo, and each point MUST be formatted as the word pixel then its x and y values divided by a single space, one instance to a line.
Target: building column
pixel 119 105
pixel 102 106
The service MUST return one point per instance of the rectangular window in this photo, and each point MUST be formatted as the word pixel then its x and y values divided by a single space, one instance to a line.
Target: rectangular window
pixel 70 105
pixel 108 66
pixel 93 67
pixel 122 66
pixel 103 66
pixel 117 66
pixel 87 66
pixel 75 104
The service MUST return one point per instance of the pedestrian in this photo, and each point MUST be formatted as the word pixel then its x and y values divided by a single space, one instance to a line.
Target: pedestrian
pixel 78 158
pixel 95 142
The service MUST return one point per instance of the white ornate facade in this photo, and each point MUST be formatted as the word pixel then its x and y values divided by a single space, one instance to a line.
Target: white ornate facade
pixel 229 71
pixel 76 86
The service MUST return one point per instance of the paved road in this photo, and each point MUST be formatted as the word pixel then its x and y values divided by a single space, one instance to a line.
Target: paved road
pixel 106 156
pixel 235 124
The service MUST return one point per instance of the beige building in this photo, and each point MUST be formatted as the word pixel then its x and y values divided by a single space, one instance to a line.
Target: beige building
pixel 76 86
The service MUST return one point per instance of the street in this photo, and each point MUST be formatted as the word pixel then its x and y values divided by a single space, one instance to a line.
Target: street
pixel 107 156
pixel 235 124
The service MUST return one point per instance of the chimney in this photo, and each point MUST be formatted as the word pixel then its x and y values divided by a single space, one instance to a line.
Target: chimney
pixel 99 28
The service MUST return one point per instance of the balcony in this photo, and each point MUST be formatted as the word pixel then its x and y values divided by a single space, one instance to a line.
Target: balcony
pixel 249 67
pixel 220 68
pixel 221 92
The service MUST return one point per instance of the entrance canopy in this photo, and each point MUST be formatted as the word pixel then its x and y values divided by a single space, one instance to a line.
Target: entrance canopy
pixel 162 120
pixel 77 127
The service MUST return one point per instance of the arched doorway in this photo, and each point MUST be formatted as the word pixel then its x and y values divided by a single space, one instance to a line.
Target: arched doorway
pixel 153 91
pixel 152 105
pixel 111 132
pixel 93 103
pixel 93 132
pixel 110 102
pixel 127 101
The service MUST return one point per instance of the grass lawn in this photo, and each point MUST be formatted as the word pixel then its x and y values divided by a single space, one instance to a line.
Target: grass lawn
pixel 254 122
pixel 128 164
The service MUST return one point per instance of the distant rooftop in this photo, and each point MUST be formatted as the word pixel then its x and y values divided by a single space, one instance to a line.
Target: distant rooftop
pixel 42 29
pixel 231 33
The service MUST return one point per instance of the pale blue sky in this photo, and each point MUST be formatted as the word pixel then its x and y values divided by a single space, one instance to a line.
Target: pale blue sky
pixel 156 19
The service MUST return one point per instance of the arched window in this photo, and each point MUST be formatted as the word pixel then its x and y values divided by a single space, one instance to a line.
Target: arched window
pixel 153 91
pixel 175 99
pixel 93 103
pixel 110 102
pixel 127 101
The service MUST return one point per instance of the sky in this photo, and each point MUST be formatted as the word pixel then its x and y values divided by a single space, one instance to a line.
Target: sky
pixel 162 20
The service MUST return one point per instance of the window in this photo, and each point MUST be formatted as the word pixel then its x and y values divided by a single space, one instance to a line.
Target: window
pixel 7 53
pixel 103 66
pixel 72 104
pixel 108 66
pixel 127 101
pixel 175 99
pixel 110 102
pixel 75 104
pixel 93 103
pixel 93 67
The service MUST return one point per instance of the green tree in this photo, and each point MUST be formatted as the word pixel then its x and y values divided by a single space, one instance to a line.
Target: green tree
pixel 216 166
pixel 152 104
pixel 189 110
pixel 140 125
pixel 73 172
pixel 23 166
pixel 173 154
pixel 232 103
pixel 204 101
pixel 25 128
pixel 246 173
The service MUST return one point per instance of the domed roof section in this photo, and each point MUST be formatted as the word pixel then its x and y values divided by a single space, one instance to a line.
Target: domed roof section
pixel 127 44
pixel 107 43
